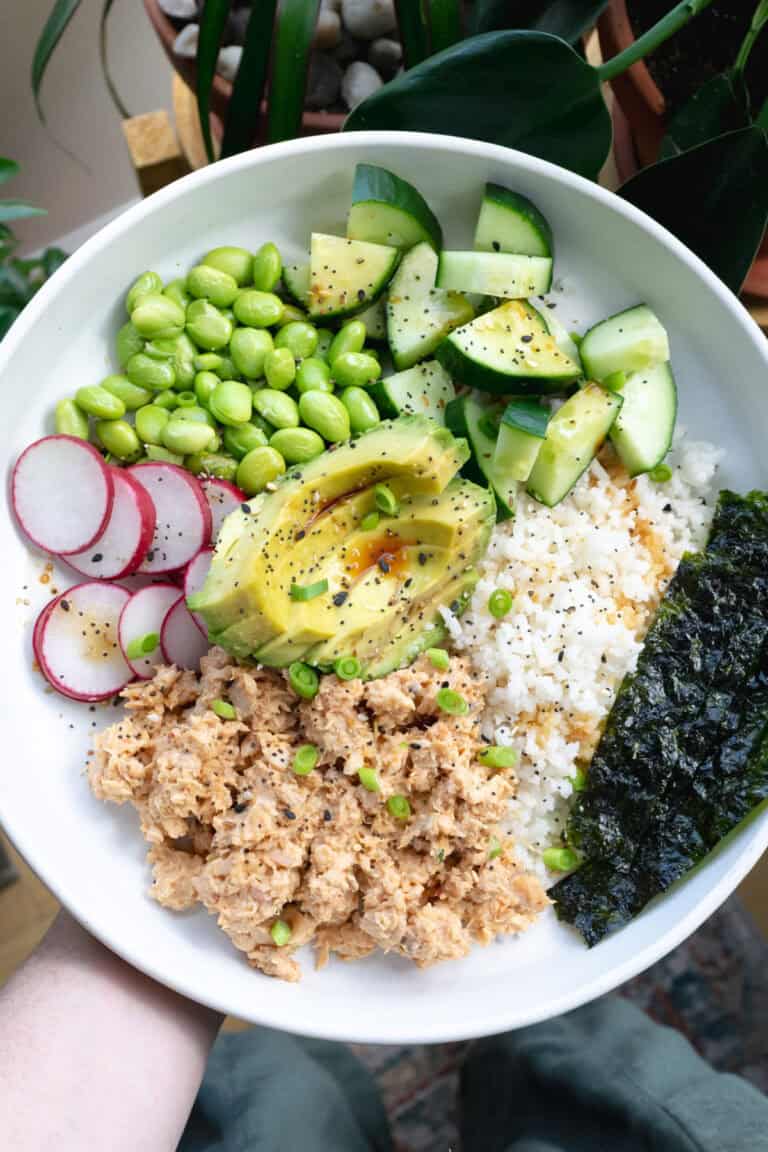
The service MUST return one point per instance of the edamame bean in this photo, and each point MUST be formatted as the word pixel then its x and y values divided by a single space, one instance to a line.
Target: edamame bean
pixel 207 326
pixel 211 464
pixel 206 384
pixel 363 413
pixel 119 438
pixel 131 395
pixel 185 437
pixel 144 372
pixel 156 452
pixel 186 399
pixel 299 338
pixel 249 348
pixel 166 399
pixel 128 343
pixel 161 349
pixel 276 408
pixel 156 316
pixel 177 291
pixel 243 439
pixel 207 283
pixel 150 422
pixel 355 369
pixel 326 414
pixel 313 375
pixel 267 268
pixel 223 366
pixel 350 338
pixel 259 468
pixel 96 401
pixel 261 423
pixel 297 445
pixel 195 415
pixel 184 367
pixel 236 262
pixel 280 369
pixel 231 403
pixel 258 309
pixel 71 421
pixel 143 285
pixel 291 315
pixel 324 341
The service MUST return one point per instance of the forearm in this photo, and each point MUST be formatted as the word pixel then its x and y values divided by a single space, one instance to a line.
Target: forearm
pixel 95 1055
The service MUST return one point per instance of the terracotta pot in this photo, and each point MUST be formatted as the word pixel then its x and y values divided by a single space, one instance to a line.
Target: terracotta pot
pixel 640 119
pixel 313 123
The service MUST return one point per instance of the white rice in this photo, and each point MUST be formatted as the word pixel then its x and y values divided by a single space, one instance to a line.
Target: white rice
pixel 586 577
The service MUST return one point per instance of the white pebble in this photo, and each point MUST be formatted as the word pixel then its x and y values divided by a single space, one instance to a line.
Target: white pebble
pixel 334 5
pixel 229 61
pixel 185 44
pixel 328 32
pixel 368 19
pixel 360 81
pixel 179 9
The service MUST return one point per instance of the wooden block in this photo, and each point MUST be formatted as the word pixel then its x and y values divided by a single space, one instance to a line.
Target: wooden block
pixel 154 150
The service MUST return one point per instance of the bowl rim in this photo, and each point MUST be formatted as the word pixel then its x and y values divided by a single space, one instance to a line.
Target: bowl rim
pixel 493 1018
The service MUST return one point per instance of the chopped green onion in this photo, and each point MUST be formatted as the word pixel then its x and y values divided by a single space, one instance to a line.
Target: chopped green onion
pixel 438 658
pixel 305 759
pixel 440 855
pixel 452 702
pixel 369 779
pixel 498 756
pixel 303 679
pixel 560 859
pixel 660 474
pixel 224 709
pixel 308 591
pixel 347 668
pixel 615 382
pixel 577 338
pixel 386 501
pixel 579 780
pixel 369 522
pixel 399 807
pixel 494 848
pixel 142 646
pixel 500 603
pixel 280 933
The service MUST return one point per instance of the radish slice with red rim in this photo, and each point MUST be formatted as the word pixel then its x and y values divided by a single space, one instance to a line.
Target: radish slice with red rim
pixel 141 623
pixel 183 524
pixel 76 642
pixel 125 541
pixel 62 494
pixel 222 498
pixel 183 643
pixel 194 578
pixel 41 619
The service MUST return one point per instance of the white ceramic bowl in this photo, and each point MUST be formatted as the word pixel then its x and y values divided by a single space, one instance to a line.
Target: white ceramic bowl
pixel 608 256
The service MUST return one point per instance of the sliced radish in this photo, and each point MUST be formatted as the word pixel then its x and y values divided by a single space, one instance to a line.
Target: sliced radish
pixel 41 619
pixel 76 642
pixel 222 498
pixel 194 578
pixel 62 493
pixel 183 524
pixel 126 539
pixel 141 623
pixel 183 644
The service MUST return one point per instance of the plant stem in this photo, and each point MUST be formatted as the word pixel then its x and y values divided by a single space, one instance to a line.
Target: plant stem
pixel 759 20
pixel 650 40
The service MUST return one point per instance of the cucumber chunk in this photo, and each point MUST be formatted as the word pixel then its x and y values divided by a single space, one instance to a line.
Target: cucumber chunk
pixel 419 315
pixel 521 433
pixel 424 390
pixel 507 350
pixel 375 320
pixel 627 342
pixel 296 282
pixel 643 431
pixel 388 210
pixel 347 276
pixel 574 435
pixel 495 274
pixel 467 417
pixel 510 222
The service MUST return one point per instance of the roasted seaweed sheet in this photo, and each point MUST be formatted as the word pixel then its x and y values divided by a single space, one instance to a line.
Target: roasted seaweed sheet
pixel 684 756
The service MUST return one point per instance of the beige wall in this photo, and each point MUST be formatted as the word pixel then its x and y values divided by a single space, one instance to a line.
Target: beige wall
pixel 97 177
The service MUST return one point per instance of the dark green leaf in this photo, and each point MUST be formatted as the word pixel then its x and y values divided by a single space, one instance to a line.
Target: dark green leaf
pixel 7 317
pixel 56 24
pixel 212 21
pixel 8 168
pixel 18 210
pixel 762 117
pixel 103 44
pixel 15 290
pixel 244 108
pixel 569 19
pixel 714 198
pixel 296 23
pixel 413 30
pixel 562 118
pixel 444 23
pixel 52 259
pixel 720 105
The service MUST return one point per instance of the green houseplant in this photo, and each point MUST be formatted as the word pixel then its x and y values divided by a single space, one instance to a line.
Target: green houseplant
pixel 19 279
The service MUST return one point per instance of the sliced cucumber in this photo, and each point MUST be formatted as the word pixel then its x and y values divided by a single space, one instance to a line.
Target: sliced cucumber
pixel 627 342
pixel 507 350
pixel 643 431
pixel 574 435
pixel 467 417
pixel 521 433
pixel 388 210
pixel 347 276
pixel 419 315
pixel 560 334
pixel 510 222
pixel 495 274
pixel 423 390
pixel 296 282
pixel 375 320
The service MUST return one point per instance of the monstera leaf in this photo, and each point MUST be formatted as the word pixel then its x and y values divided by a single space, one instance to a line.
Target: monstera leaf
pixel 569 19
